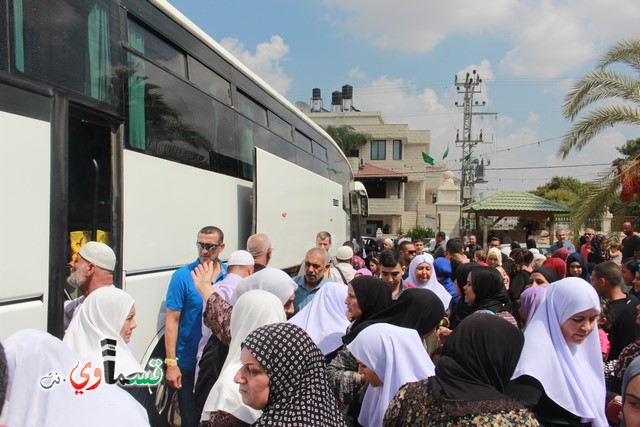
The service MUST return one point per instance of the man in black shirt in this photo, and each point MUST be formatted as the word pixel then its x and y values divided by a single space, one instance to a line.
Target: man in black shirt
pixel 472 247
pixel 631 242
pixel 606 279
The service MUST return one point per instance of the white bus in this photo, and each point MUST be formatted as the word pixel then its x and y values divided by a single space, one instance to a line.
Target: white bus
pixel 120 118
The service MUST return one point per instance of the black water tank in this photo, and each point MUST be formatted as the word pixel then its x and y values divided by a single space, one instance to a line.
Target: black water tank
pixel 336 98
pixel 315 93
pixel 347 92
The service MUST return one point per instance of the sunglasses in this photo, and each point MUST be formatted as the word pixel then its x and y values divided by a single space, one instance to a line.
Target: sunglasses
pixel 208 246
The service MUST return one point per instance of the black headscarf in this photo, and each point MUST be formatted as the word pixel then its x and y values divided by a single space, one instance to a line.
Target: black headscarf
pixel 373 295
pixel 490 292
pixel 298 390
pixel 462 309
pixel 547 273
pixel 418 309
pixel 479 358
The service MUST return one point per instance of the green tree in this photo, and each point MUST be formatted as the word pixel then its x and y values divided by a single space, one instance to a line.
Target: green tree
pixel 599 85
pixel 567 191
pixel 347 138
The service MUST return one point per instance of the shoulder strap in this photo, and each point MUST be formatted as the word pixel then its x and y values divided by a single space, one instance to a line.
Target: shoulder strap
pixel 344 279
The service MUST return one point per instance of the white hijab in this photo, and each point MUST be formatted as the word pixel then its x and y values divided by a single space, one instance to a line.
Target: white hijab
pixel 40 392
pixel 432 284
pixel 252 310
pixel 325 317
pixel 269 279
pixel 102 316
pixel 571 375
pixel 397 356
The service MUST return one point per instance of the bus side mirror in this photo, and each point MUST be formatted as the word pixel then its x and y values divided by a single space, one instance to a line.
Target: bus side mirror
pixel 364 207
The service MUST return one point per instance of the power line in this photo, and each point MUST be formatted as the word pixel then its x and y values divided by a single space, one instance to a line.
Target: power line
pixel 434 173
pixel 405 86
pixel 548 167
pixel 527 145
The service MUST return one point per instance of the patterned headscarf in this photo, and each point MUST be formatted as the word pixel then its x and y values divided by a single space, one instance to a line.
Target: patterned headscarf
pixel 298 390
pixel 595 245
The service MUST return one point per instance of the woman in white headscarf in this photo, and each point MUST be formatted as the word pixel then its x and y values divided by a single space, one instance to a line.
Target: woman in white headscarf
pixel 390 357
pixel 217 312
pixel 494 257
pixel 41 392
pixel 422 275
pixel 560 370
pixel 108 312
pixel 325 318
pixel 224 406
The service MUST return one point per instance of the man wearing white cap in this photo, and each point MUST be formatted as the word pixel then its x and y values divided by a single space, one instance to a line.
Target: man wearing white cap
pixel 240 265
pixel 92 269
pixel 343 272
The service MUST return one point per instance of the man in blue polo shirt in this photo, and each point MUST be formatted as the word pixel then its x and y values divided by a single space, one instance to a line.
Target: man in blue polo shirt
pixel 184 322
pixel 561 242
pixel 316 262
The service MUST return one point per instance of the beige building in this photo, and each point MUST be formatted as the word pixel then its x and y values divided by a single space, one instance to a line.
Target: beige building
pixel 401 186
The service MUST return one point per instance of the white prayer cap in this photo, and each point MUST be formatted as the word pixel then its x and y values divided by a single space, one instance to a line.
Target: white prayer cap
pixel 99 254
pixel 241 258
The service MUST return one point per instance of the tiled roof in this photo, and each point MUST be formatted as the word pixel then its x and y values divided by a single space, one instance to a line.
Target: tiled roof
pixel 516 201
pixel 371 171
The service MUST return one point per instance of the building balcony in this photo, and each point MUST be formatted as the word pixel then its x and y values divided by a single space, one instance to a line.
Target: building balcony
pixel 386 206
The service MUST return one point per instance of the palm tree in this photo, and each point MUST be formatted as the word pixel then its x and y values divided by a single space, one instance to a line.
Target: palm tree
pixel 347 138
pixel 603 84
pixel 599 85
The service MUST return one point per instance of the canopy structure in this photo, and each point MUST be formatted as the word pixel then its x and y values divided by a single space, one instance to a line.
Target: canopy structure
pixel 514 203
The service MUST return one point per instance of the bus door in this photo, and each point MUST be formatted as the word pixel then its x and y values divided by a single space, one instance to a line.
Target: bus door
pixel 25 190
pixel 291 205
pixel 91 187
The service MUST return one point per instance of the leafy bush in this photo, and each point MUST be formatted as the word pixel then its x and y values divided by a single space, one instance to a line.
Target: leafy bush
pixel 421 232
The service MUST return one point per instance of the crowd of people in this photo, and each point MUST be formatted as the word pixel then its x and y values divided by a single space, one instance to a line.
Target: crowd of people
pixel 455 334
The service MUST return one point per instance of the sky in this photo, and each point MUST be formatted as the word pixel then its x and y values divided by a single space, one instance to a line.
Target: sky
pixel 401 57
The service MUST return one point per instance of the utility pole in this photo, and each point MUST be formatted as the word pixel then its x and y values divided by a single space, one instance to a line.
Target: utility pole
pixel 472 169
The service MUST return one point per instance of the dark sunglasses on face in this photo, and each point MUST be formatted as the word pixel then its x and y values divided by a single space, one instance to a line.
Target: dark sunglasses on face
pixel 208 246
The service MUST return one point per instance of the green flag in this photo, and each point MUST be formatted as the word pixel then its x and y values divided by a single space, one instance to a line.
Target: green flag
pixel 467 157
pixel 446 152
pixel 428 159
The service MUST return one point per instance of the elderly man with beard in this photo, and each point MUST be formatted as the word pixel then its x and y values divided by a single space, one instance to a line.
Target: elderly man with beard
pixel 316 263
pixel 92 269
